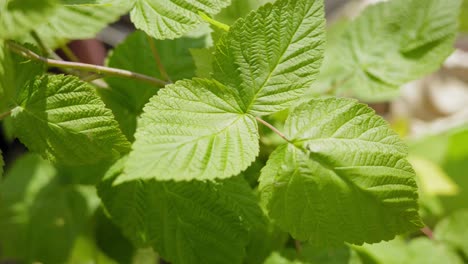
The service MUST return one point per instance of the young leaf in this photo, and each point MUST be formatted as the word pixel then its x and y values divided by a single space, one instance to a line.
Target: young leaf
pixel 390 44
pixel 192 130
pixel 79 20
pixel 452 230
pixel 273 55
pixel 18 17
pixel 342 177
pixel 185 222
pixel 127 97
pixel 40 217
pixel 65 121
pixel 169 19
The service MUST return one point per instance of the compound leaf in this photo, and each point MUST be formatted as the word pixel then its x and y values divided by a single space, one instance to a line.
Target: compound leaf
pixel 18 17
pixel 169 19
pixel 65 121
pixel 273 55
pixel 390 44
pixel 192 130
pixel 185 222
pixel 127 97
pixel 342 177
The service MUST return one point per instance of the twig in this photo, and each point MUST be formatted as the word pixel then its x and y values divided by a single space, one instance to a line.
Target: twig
pixel 274 129
pixel 428 232
pixel 157 58
pixel 85 67
pixel 4 115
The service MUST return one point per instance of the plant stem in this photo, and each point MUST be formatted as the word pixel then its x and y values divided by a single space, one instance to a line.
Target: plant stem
pixel 274 129
pixel 69 53
pixel 4 115
pixel 428 232
pixel 85 67
pixel 157 58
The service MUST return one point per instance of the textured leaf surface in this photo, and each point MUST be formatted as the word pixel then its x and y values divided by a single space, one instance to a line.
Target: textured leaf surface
pixel 15 72
pixel 65 121
pixel 344 167
pixel 390 44
pixel 127 97
pixel 18 17
pixel 192 130
pixel 40 217
pixel 186 222
pixel 452 230
pixel 273 55
pixel 170 19
pixel 79 20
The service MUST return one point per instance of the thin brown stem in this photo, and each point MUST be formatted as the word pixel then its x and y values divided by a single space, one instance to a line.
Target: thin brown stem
pixel 4 115
pixel 332 89
pixel 85 67
pixel 298 246
pixel 274 129
pixel 157 58
pixel 428 232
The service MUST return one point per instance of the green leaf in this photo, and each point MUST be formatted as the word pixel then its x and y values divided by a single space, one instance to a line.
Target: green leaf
pixel 417 251
pixel 238 9
pixel 18 17
pixel 65 121
pixel 15 72
pixel 40 217
pixel 127 97
pixel 432 179
pixel 464 17
pixel 452 230
pixel 203 59
pixel 390 44
pixel 185 222
pixel 273 55
pixel 192 130
pixel 169 19
pixel 79 20
pixel 344 167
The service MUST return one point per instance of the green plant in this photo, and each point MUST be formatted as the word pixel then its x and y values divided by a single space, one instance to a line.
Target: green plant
pixel 176 140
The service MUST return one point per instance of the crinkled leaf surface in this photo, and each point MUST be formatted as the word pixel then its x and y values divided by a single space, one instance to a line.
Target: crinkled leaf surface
pixel 192 130
pixel 185 222
pixel 453 231
pixel 40 215
pixel 390 44
pixel 15 72
pixel 18 17
pixel 169 19
pixel 127 97
pixel 273 55
pixel 64 120
pixel 344 167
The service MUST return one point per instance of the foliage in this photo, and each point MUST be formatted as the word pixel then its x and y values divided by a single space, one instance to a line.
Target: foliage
pixel 180 147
